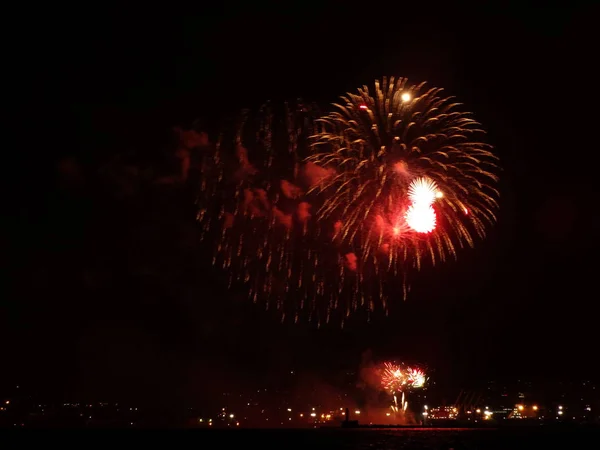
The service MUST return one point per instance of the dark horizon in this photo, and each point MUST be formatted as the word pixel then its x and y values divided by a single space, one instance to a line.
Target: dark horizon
pixel 519 305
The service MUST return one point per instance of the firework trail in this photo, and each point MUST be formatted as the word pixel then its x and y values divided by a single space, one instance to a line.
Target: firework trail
pixel 253 206
pixel 321 215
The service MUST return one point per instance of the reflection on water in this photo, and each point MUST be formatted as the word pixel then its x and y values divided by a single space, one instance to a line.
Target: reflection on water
pixel 539 438
pixel 438 439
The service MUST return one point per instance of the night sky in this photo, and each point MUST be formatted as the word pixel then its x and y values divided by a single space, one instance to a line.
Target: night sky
pixel 79 319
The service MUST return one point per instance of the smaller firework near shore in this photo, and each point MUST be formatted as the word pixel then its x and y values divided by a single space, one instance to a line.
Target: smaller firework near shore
pixel 399 380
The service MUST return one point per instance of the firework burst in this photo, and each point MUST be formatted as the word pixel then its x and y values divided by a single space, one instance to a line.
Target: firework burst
pixel 412 180
pixel 400 379
pixel 393 378
pixel 396 378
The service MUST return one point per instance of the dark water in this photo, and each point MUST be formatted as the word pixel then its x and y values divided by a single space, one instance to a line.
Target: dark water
pixel 442 439
pixel 438 439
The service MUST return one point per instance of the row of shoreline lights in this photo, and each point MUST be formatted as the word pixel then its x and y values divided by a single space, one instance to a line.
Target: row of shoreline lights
pixel 560 409
pixel 486 412
pixel 312 414
pixel 535 408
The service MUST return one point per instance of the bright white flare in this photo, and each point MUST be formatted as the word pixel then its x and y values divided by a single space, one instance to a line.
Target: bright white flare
pixel 422 192
pixel 416 378
pixel 421 218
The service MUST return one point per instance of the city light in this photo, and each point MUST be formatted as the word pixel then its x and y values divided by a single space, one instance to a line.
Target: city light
pixel 520 407
pixel 405 97
pixel 535 408
pixel 357 412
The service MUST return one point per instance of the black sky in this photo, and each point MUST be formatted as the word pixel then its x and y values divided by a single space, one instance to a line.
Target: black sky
pixel 88 84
